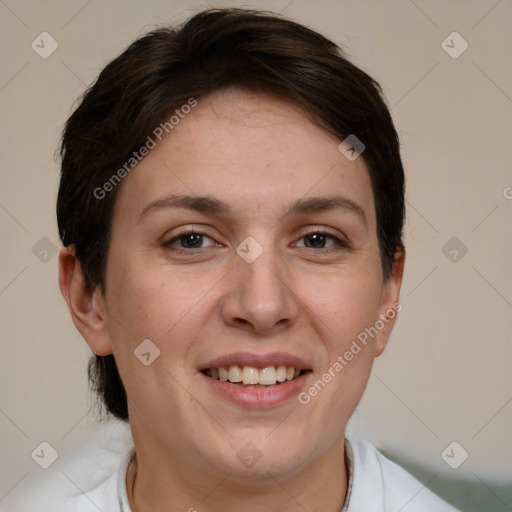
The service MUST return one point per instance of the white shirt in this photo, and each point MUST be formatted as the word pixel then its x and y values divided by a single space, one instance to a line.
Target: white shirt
pixel 93 477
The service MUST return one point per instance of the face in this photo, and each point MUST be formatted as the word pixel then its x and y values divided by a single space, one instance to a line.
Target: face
pixel 245 242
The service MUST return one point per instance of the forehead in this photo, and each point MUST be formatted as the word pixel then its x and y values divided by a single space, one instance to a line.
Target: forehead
pixel 252 151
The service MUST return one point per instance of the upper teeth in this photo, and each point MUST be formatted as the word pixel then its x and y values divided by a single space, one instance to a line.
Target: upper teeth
pixel 248 375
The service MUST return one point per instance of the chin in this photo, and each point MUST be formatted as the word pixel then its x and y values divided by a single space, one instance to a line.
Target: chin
pixel 260 456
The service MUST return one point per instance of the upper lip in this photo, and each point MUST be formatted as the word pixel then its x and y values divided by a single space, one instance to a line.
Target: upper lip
pixel 256 360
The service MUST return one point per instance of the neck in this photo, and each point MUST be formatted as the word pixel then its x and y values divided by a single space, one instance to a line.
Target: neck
pixel 153 486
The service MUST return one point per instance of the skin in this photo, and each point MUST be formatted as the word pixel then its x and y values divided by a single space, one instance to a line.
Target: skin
pixel 259 155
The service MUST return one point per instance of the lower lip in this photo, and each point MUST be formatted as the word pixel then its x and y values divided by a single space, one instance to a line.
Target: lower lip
pixel 257 397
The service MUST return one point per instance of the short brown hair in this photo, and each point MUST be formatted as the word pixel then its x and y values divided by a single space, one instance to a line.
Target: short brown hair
pixel 214 50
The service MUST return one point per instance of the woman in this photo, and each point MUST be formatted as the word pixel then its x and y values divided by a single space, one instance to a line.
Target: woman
pixel 231 209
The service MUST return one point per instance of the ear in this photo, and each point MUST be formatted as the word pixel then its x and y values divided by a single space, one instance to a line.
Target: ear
pixel 87 307
pixel 390 305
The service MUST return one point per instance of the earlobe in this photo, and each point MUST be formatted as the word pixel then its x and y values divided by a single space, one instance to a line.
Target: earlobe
pixel 390 305
pixel 85 305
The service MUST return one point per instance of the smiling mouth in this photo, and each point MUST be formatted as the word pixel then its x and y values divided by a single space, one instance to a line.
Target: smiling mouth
pixel 251 377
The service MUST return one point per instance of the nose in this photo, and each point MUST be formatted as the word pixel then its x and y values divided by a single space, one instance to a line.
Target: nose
pixel 260 298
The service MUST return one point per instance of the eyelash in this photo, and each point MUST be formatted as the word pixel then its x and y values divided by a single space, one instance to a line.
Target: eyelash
pixel 341 244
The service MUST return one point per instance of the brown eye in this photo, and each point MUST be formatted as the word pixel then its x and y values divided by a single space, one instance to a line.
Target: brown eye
pixel 190 240
pixel 319 240
pixel 315 240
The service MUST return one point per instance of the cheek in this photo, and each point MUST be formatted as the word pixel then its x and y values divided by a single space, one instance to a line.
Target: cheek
pixel 344 304
pixel 158 303
pixel 342 308
pixel 168 307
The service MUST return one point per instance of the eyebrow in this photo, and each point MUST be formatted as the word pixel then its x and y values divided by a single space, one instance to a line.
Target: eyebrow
pixel 207 204
pixel 203 204
pixel 323 204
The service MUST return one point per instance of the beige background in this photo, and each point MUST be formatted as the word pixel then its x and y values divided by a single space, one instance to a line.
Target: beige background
pixel 446 376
